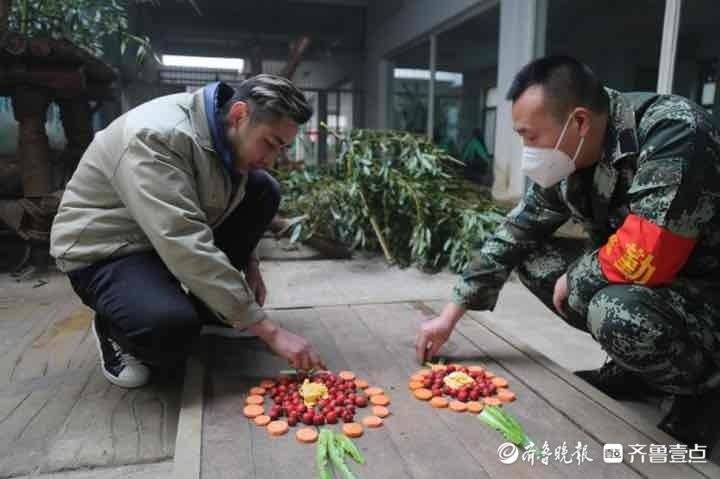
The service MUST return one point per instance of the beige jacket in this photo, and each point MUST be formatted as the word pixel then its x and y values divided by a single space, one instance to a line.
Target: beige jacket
pixel 152 181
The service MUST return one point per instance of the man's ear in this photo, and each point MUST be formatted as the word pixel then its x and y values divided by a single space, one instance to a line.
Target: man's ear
pixel 239 111
pixel 583 117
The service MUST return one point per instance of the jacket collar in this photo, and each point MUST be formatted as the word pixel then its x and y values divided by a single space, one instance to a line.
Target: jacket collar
pixel 214 96
pixel 622 137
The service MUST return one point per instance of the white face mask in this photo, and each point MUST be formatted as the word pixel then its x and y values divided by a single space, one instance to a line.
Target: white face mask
pixel 548 166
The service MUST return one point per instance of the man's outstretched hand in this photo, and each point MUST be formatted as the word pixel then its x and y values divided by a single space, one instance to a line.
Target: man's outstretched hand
pixel 296 349
pixel 435 332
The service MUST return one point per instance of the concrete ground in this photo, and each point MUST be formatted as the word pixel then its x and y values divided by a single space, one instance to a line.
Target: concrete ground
pixel 60 420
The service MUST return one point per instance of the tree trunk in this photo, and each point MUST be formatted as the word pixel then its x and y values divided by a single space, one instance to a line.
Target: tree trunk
pixel 5 7
pixel 297 49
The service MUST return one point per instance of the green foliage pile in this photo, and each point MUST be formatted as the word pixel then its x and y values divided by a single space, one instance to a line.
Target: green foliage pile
pixel 395 192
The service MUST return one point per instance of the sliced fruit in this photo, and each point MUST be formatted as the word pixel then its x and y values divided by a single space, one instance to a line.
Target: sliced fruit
pixel 352 429
pixel 253 410
pixel 474 407
pixel 254 399
pixel 277 428
pixel 421 394
pixel 306 435
pixel 439 402
pixel 372 421
pixel 372 391
pixel 413 385
pixel 380 411
pixel 380 400
pixel 262 420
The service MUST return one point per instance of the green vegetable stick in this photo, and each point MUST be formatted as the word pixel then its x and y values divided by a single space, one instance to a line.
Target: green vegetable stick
pixel 337 457
pixel 321 455
pixel 350 448
pixel 503 422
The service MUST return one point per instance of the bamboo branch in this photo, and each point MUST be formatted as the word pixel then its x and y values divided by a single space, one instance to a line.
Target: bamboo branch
pixel 388 256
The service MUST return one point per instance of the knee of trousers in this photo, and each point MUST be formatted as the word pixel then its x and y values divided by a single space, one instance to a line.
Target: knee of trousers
pixel 625 323
pixel 163 320
pixel 269 187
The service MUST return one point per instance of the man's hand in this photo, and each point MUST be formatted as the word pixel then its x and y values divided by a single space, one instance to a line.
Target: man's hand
pixel 255 281
pixel 435 332
pixel 560 294
pixel 296 349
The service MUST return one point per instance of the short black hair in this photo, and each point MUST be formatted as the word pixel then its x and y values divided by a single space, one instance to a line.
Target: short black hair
pixel 567 82
pixel 270 98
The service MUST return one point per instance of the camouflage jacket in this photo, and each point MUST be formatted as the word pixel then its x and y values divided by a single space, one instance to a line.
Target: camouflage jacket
pixel 661 161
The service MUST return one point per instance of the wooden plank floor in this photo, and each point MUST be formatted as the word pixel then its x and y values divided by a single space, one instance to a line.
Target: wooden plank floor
pixel 377 343
pixel 57 411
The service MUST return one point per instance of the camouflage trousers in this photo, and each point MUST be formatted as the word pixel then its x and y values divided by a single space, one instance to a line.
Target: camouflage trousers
pixel 670 335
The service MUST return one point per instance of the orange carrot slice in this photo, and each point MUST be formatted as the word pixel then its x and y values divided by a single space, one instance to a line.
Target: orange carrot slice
pixel 277 428
pixel 253 411
pixel 476 369
pixel 254 399
pixel 372 391
pixel 458 406
pixel 439 402
pixel 372 421
pixel 489 374
pixel 380 400
pixel 346 375
pixel 262 420
pixel 421 394
pixel 306 435
pixel 258 391
pixel 380 411
pixel 361 384
pixel 413 385
pixel 352 429
pixel 499 382
pixel 492 401
pixel 505 395
pixel 474 407
pixel 417 377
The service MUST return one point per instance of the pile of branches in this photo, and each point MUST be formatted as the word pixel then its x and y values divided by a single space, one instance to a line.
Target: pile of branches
pixel 395 192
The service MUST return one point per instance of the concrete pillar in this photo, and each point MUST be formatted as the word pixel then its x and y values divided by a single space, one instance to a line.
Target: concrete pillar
pixel 520 42
pixel 668 47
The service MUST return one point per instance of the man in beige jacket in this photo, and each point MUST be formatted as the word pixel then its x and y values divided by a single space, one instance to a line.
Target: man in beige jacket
pixel 158 226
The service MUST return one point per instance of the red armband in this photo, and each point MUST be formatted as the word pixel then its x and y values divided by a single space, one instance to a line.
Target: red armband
pixel 642 252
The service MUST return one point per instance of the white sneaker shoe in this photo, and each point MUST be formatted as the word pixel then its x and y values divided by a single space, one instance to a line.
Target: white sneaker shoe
pixel 118 367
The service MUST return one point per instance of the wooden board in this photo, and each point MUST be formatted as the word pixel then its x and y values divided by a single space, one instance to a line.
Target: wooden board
pixel 377 343
pixel 57 411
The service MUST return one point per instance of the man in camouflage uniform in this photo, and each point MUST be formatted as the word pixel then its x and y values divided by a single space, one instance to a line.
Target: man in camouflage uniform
pixel 644 182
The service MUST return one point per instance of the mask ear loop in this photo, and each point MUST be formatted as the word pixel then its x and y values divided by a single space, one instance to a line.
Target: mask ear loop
pixel 562 133
pixel 580 145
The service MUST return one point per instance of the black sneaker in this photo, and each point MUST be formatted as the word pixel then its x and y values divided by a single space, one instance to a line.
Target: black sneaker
pixel 694 420
pixel 120 368
pixel 617 382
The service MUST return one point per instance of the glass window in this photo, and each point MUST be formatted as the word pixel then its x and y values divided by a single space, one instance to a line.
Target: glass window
pixel 697 62
pixel 467 69
pixel 618 39
pixel 410 88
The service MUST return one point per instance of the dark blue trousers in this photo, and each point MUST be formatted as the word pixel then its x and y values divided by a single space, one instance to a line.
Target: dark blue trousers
pixel 141 305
